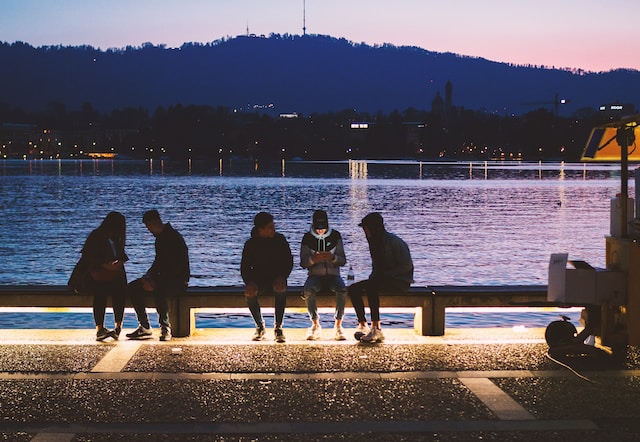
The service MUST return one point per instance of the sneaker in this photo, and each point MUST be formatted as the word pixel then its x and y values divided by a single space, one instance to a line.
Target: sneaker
pixel 339 336
pixel 314 333
pixel 165 334
pixel 375 335
pixel 259 334
pixel 279 335
pixel 115 333
pixel 364 329
pixel 102 334
pixel 140 333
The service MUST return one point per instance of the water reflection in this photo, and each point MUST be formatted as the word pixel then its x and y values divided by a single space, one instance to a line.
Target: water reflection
pixel 358 169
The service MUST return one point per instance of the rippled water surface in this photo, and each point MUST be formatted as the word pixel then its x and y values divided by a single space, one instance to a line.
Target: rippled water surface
pixel 465 223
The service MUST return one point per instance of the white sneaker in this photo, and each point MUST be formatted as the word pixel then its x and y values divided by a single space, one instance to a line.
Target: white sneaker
pixel 314 333
pixel 339 336
pixel 364 329
pixel 375 335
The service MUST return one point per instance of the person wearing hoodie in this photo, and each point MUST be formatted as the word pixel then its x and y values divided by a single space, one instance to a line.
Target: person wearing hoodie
pixel 266 264
pixel 392 270
pixel 322 254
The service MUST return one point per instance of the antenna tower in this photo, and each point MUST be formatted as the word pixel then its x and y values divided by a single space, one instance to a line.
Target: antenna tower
pixel 304 17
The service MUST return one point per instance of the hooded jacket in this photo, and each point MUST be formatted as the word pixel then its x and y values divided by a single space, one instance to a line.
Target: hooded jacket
pixel 265 259
pixel 390 257
pixel 331 241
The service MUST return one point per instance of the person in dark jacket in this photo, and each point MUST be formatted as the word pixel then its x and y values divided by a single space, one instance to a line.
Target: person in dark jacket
pixel 266 264
pixel 104 257
pixel 392 270
pixel 168 276
pixel 322 254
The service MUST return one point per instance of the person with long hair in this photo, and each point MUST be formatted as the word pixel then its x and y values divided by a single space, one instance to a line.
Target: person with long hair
pixel 105 257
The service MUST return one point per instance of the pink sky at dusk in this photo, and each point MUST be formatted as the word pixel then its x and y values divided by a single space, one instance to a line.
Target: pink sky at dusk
pixel 587 34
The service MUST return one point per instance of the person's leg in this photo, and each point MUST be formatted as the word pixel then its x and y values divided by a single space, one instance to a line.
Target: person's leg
pixel 356 291
pixel 99 308
pixel 309 291
pixel 137 294
pixel 281 304
pixel 161 298
pixel 311 287
pixel 375 288
pixel 118 296
pixel 336 285
pixel 254 308
pixel 373 296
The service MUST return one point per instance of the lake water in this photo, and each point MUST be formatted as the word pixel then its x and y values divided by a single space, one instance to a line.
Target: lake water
pixel 465 223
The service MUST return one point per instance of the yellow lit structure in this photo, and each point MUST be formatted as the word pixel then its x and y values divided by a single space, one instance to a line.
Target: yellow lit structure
pixel 605 142
pixel 102 155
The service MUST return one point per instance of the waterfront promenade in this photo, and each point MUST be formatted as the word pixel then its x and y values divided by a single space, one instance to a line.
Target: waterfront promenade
pixel 470 384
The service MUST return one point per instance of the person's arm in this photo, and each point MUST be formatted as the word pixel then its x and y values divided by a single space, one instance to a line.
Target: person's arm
pixel 286 258
pixel 306 255
pixel 246 264
pixel 339 258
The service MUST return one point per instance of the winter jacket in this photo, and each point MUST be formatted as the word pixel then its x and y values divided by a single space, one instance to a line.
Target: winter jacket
pixel 265 259
pixel 331 241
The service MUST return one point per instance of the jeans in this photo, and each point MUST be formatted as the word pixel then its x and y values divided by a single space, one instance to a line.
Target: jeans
pixel 160 295
pixel 371 288
pixel 333 283
pixel 254 306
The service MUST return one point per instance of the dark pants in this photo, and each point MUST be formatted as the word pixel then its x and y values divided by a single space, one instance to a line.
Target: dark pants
pixel 371 288
pixel 254 305
pixel 163 291
pixel 101 290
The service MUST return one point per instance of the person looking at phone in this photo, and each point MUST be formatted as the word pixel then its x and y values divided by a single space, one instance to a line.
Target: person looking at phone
pixel 322 254
pixel 168 276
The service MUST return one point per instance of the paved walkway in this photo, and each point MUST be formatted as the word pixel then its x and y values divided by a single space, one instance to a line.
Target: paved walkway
pixel 489 384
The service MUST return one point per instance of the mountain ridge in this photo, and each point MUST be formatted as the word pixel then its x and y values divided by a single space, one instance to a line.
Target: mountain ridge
pixel 303 74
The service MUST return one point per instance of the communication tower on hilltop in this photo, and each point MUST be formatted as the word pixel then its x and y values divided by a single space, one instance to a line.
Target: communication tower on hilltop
pixel 304 17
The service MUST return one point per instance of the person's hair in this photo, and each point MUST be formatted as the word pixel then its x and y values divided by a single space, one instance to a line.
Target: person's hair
pixel 115 225
pixel 151 216
pixel 262 219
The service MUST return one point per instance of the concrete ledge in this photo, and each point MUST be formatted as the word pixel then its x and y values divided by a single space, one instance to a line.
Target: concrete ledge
pixel 430 302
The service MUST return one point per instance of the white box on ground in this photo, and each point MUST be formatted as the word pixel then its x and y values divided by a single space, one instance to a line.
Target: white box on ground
pixel 582 284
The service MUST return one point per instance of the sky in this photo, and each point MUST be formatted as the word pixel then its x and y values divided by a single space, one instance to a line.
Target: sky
pixel 583 34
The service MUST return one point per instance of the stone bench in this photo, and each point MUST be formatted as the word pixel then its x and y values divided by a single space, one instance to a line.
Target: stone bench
pixel 430 302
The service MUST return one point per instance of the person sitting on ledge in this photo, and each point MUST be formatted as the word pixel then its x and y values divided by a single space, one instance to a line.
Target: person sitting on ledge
pixel 392 270
pixel 168 276
pixel 265 266
pixel 322 254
